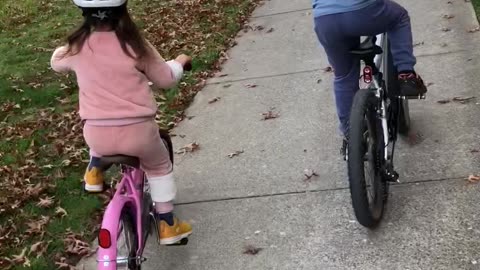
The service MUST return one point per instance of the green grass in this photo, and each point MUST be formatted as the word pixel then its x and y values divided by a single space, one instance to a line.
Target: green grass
pixel 29 31
pixel 476 6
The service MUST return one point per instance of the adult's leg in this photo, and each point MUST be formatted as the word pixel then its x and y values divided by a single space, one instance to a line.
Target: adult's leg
pixel 346 67
pixel 380 17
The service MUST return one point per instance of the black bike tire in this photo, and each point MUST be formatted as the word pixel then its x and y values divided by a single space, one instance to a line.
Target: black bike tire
pixel 363 101
pixel 129 224
pixel 404 110
pixel 404 118
pixel 167 140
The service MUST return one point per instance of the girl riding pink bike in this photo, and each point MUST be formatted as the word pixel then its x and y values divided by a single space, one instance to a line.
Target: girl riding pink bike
pixel 113 64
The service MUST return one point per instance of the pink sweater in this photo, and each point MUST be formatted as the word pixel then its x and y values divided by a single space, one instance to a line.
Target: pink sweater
pixel 113 86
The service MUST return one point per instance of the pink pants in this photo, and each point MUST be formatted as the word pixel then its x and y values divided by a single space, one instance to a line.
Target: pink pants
pixel 140 140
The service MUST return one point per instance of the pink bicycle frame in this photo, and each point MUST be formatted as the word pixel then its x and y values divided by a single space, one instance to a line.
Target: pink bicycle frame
pixel 129 193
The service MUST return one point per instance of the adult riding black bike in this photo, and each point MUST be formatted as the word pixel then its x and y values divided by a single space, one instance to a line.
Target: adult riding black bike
pixel 379 113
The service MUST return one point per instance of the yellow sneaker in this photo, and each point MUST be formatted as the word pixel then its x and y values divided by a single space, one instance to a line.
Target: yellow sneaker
pixel 93 180
pixel 172 234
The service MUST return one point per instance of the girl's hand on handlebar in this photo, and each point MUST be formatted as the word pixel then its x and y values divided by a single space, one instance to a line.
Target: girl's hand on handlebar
pixel 185 60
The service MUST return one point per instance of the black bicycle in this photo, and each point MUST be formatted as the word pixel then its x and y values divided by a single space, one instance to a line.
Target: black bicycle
pixel 379 113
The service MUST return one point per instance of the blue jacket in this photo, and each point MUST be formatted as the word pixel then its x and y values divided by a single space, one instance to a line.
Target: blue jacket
pixel 327 7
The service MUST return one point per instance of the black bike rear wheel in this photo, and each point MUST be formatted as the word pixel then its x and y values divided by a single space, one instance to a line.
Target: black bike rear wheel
pixel 394 91
pixel 127 242
pixel 367 188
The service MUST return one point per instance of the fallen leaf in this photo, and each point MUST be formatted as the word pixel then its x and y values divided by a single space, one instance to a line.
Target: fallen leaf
pixel 463 100
pixel 443 101
pixel 259 28
pixel 319 80
pixel 473 179
pixel 473 30
pixel 227 85
pixel 45 202
pixel 419 44
pixel 328 69
pixel 270 30
pixel 249 85
pixel 251 250
pixel 236 153
pixel 474 151
pixel 39 248
pixel 191 147
pixel 213 100
pixel 446 29
pixel 59 211
pixel 270 115
pixel 309 173
pixel 223 75
pixel 21 258
pixel 448 16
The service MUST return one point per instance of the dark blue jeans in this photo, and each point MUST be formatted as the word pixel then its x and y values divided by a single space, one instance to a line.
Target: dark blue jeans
pixel 339 33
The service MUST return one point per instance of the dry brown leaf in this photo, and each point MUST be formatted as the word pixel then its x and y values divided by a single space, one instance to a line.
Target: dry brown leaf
pixel 213 100
pixel 39 248
pixel 46 202
pixel 191 147
pixel 328 69
pixel 270 115
pixel 443 101
pixel 236 153
pixel 473 179
pixel 309 173
pixel 473 30
pixel 251 250
pixel 59 211
pixel 62 264
pixel 419 44
pixel 250 85
pixel 21 259
pixel 463 100
pixel 448 16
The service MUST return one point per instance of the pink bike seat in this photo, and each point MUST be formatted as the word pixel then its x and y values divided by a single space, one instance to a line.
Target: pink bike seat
pixel 107 161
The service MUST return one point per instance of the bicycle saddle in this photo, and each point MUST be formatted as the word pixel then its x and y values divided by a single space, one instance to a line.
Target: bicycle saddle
pixel 107 161
pixel 367 47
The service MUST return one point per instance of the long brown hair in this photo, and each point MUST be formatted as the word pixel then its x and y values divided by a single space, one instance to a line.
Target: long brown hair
pixel 116 19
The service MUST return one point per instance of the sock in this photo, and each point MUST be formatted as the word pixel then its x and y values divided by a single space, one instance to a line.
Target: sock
pixel 407 72
pixel 167 217
pixel 94 162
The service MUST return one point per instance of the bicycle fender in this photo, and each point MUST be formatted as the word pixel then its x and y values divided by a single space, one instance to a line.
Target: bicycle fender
pixel 106 258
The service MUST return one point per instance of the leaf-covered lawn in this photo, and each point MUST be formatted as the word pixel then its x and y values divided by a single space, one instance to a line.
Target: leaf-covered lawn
pixel 46 220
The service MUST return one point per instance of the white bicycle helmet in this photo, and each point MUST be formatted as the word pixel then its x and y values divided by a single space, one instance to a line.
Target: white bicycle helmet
pixel 99 3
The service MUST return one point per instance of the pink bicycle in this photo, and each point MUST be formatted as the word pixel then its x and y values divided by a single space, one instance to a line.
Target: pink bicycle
pixel 129 218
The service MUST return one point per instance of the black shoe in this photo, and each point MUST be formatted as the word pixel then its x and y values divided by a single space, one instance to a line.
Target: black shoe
pixel 411 85
pixel 344 149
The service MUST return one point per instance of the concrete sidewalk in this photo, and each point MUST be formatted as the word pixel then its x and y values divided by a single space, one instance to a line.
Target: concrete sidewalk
pixel 260 197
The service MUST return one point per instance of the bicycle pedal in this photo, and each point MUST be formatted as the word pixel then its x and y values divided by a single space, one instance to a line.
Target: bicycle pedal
pixel 421 97
pixel 182 242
